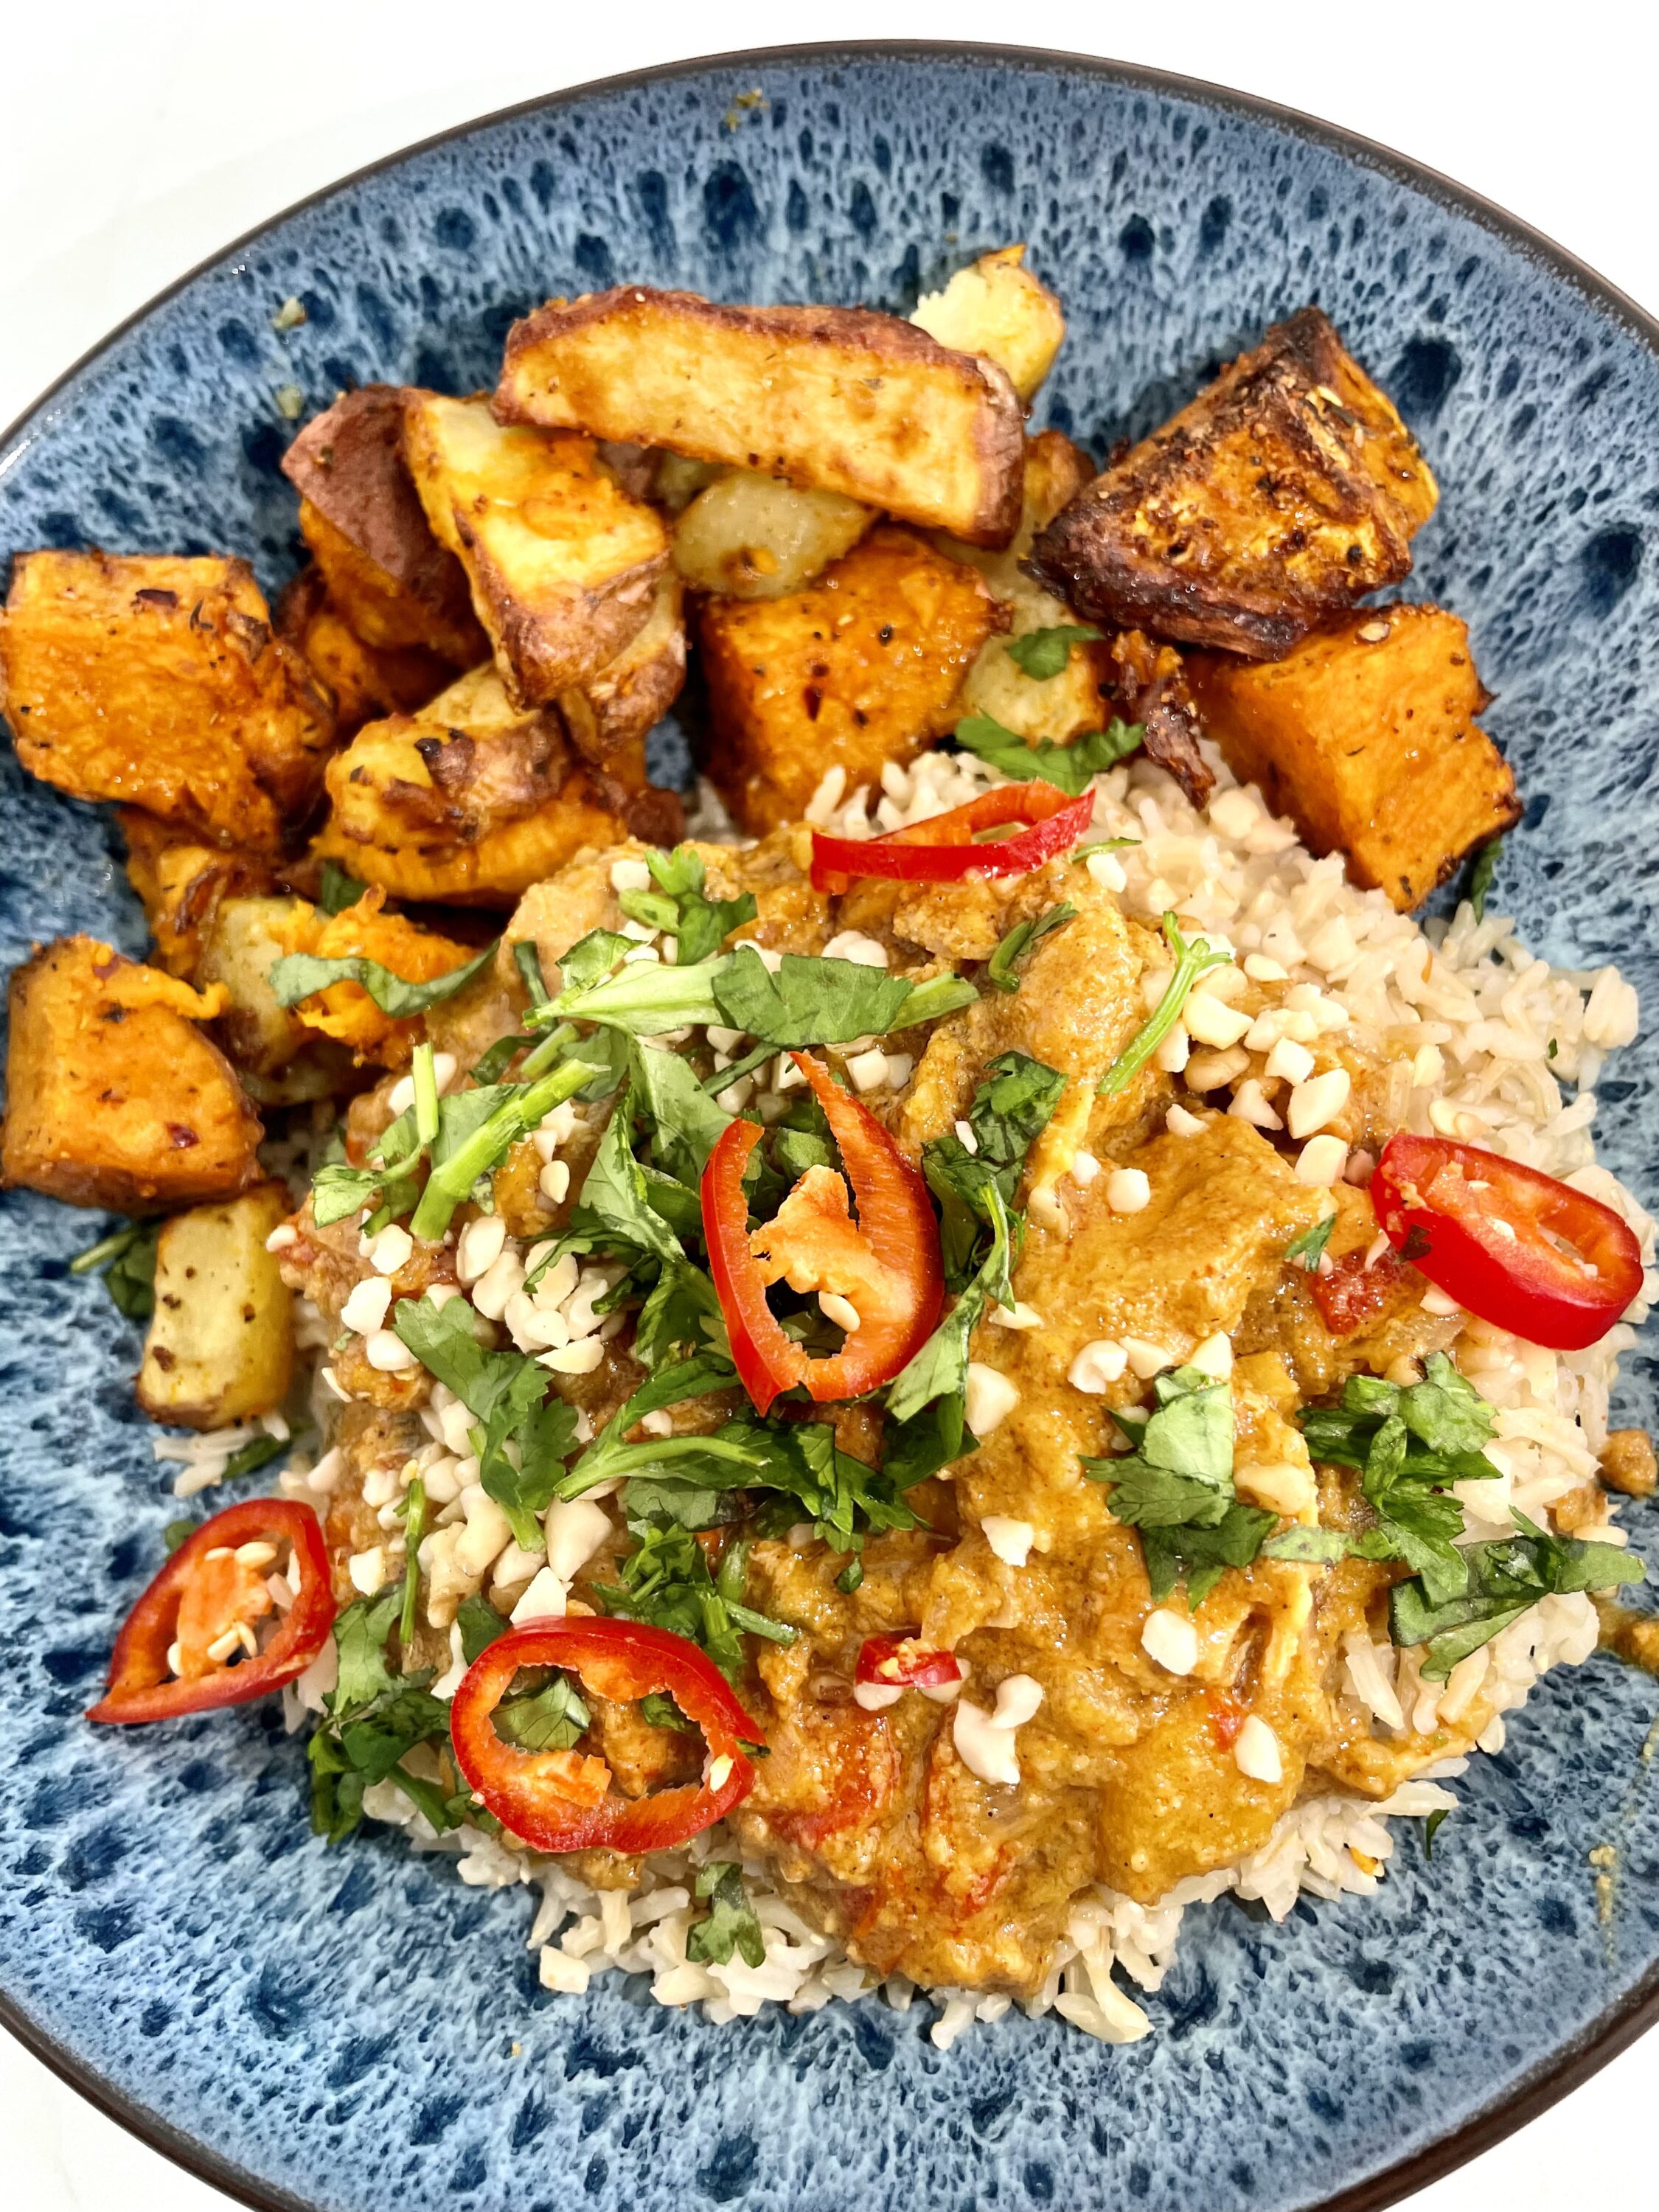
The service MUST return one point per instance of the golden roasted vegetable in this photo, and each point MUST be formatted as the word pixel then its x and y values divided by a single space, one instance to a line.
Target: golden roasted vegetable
pixel 608 717
pixel 158 681
pixel 241 945
pixel 562 562
pixel 996 307
pixel 378 609
pixel 756 538
pixel 1286 491
pixel 1366 736
pixel 389 576
pixel 476 800
pixel 861 668
pixel 345 1012
pixel 365 680
pixel 113 1096
pixel 838 397
pixel 181 883
pixel 221 1342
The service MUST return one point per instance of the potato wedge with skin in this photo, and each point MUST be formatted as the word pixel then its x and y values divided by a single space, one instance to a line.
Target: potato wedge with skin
pixel 998 308
pixel 1287 490
pixel 158 681
pixel 476 800
pixel 383 612
pixel 114 1097
pixel 560 561
pixel 244 941
pixel 180 884
pixel 863 667
pixel 367 681
pixel 348 466
pixel 221 1341
pixel 841 399
pixel 609 716
pixel 1366 736
pixel 756 538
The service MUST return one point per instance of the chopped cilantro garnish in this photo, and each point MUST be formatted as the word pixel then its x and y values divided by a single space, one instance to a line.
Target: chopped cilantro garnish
pixel 1309 1247
pixel 667 1581
pixel 1191 961
pixel 1019 943
pixel 1482 870
pixel 177 1533
pixel 1042 653
pixel 256 1452
pixel 300 976
pixel 500 1120
pixel 551 1720
pixel 1432 1828
pixel 127 1257
pixel 414 1529
pixel 1505 1579
pixel 700 925
pixel 731 1924
pixel 373 1718
pixel 1069 767
pixel 337 889
pixel 480 1624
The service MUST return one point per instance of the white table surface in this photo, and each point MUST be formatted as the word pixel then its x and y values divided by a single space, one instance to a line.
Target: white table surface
pixel 139 139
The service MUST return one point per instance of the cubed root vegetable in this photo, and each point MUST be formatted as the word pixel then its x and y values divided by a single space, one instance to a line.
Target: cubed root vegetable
pixel 221 1342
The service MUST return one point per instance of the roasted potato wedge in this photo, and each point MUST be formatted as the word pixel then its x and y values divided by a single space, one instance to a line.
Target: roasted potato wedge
pixel 114 1097
pixel 562 562
pixel 1286 491
pixel 221 1342
pixel 378 609
pixel 1365 735
pixel 476 800
pixel 158 681
pixel 756 538
pixel 245 940
pixel 608 718
pixel 367 681
pixel 861 668
pixel 840 399
pixel 181 883
pixel 348 466
pixel 997 308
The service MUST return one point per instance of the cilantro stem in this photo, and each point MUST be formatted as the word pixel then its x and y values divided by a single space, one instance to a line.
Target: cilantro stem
pixel 423 1073
pixel 1191 961
pixel 528 961
pixel 414 1529
pixel 513 1118
pixel 106 1248
pixel 547 1052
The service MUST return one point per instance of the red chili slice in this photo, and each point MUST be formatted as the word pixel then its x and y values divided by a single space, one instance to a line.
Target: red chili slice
pixel 898 1662
pixel 1353 1294
pixel 896 1237
pixel 942 850
pixel 1515 1245
pixel 560 1801
pixel 198 1596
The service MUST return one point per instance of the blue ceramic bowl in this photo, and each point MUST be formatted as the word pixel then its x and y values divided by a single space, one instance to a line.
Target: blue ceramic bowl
pixel 355 2028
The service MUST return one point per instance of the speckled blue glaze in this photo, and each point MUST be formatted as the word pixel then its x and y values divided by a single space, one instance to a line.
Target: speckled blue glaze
pixel 352 2029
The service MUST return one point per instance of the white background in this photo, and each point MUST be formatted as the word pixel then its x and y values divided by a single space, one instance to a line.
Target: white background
pixel 139 139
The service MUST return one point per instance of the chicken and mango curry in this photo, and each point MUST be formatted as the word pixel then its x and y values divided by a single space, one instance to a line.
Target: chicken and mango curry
pixel 900 1387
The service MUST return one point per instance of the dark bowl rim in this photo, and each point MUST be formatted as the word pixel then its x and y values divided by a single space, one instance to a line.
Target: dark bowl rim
pixel 1585 2054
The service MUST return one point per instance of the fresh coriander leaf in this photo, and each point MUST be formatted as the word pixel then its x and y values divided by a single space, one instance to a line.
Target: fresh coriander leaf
pixel 1432 1828
pixel 665 1580
pixel 300 976
pixel 375 1740
pixel 360 1638
pixel 1482 869
pixel 1321 1547
pixel 731 1924
pixel 1070 767
pixel 797 1150
pixel 127 1257
pixel 1019 943
pixel 1309 1248
pixel 940 1368
pixel 653 908
pixel 1198 1554
pixel 686 1123
pixel 808 1001
pixel 337 889
pixel 177 1533
pixel 1191 961
pixel 1505 1578
pixel 728 1459
pixel 257 1452
pixel 699 924
pixel 552 1720
pixel 643 997
pixel 492 1065
pixel 480 1624
pixel 676 872
pixel 1042 653
pixel 659 1710
pixel 936 1437
pixel 591 959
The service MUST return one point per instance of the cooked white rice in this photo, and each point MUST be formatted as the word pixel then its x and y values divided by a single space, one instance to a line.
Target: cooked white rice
pixel 1480 1035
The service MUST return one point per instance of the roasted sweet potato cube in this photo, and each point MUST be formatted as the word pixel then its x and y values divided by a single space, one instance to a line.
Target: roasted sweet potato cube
pixel 181 883
pixel 1286 491
pixel 562 562
pixel 367 681
pixel 345 1010
pixel 863 667
pixel 838 397
pixel 999 308
pixel 475 799
pixel 159 681
pixel 1365 735
pixel 221 1341
pixel 383 613
pixel 114 1096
